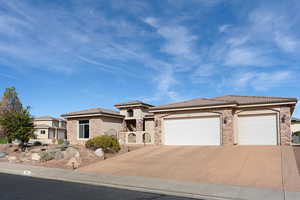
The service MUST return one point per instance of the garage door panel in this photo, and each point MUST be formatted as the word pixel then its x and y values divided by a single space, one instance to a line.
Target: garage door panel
pixel 257 130
pixel 192 131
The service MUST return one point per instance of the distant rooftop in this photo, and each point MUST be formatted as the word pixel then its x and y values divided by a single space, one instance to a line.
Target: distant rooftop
pixel 47 118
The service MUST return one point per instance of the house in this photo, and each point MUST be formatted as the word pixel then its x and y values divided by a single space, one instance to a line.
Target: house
pixel 295 125
pixel 48 128
pixel 224 120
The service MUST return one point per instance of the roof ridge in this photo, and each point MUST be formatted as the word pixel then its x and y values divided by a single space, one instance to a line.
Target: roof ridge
pixel 233 95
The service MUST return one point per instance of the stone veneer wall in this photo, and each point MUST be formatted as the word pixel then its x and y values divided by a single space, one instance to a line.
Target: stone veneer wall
pixel 285 127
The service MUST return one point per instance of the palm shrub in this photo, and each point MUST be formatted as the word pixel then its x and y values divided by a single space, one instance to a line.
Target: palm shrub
pixel 105 142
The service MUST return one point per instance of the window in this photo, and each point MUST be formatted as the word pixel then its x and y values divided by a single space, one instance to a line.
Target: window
pixel 84 129
pixel 130 113
pixel 43 132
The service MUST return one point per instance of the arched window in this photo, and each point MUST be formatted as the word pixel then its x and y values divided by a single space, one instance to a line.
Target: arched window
pixel 131 138
pixel 146 138
pixel 130 113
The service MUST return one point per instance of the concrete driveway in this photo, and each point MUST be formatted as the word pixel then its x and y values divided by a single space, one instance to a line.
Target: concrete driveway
pixel 272 167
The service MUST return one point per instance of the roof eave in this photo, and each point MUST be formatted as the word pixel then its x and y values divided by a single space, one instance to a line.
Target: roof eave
pixel 67 116
pixel 191 108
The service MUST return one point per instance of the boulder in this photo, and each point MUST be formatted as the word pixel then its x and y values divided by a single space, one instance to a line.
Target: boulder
pixel 71 152
pixel 47 155
pixel 3 154
pixel 99 152
pixel 35 157
pixel 12 158
pixel 25 156
pixel 74 162
pixel 59 155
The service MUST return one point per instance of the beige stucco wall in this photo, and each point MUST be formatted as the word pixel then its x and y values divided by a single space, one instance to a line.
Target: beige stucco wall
pixel 49 123
pixel 295 127
pixel 109 124
pixel 38 134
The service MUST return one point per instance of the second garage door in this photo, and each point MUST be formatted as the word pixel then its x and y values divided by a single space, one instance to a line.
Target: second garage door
pixel 192 131
pixel 257 130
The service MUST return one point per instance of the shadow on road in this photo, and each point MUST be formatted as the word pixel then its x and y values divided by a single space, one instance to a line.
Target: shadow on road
pixel 14 187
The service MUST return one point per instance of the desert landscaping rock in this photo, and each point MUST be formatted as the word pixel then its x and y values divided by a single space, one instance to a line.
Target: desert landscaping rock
pixel 59 155
pixel 71 152
pixel 74 162
pixel 3 154
pixel 35 157
pixel 12 158
pixel 99 152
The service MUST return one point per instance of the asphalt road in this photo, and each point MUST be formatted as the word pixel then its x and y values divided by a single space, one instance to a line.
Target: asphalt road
pixel 13 187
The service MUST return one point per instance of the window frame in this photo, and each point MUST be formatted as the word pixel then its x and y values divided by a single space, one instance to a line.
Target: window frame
pixel 78 129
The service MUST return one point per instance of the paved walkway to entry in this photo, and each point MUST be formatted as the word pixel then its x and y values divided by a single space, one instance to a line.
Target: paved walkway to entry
pixel 271 167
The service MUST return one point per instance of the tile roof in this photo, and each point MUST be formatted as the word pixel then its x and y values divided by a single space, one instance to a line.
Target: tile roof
pixel 225 100
pixel 245 100
pixel 135 102
pixel 93 111
pixel 47 118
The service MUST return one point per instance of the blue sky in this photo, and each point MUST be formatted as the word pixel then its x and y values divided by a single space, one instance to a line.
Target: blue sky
pixel 71 55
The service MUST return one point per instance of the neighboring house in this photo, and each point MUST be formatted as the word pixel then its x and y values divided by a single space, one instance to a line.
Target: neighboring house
pixel 295 125
pixel 225 120
pixel 47 128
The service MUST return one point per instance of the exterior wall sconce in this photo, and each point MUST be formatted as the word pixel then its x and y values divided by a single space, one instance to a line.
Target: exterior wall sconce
pixel 225 120
pixel 283 118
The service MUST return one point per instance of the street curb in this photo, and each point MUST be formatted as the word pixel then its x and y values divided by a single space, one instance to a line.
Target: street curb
pixel 132 183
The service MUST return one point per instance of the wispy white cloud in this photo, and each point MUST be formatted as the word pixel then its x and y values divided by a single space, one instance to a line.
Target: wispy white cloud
pixel 259 81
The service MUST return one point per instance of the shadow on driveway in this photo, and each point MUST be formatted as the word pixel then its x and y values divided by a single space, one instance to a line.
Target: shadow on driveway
pixel 297 157
pixel 29 188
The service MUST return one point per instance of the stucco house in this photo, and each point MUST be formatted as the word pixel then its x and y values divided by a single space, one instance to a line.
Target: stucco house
pixel 48 128
pixel 225 120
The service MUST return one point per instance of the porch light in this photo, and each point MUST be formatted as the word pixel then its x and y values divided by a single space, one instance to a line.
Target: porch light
pixel 283 118
pixel 225 120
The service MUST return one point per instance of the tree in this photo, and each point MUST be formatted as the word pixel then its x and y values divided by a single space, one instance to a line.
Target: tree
pixel 18 126
pixel 10 101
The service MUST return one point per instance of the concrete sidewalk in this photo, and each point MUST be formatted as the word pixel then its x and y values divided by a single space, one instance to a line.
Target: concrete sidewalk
pixel 152 185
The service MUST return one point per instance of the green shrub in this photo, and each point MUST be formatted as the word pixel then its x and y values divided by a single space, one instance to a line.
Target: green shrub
pixel 297 133
pixel 107 143
pixel 3 140
pixel 60 141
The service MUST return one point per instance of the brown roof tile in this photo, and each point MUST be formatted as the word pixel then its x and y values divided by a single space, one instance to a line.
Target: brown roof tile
pixel 93 111
pixel 225 100
pixel 135 102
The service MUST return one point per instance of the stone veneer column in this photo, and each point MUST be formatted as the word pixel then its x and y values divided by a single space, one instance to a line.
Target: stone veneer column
pixel 139 124
pixel 285 127
pixel 158 129
pixel 227 128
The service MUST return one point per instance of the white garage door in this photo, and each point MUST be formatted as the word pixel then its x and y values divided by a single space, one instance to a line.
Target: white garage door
pixel 192 131
pixel 257 130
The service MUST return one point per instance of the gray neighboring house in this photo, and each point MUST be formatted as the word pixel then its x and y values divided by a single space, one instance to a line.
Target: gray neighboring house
pixel 224 120
pixel 48 128
pixel 295 124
